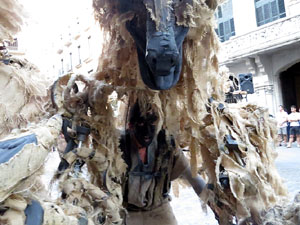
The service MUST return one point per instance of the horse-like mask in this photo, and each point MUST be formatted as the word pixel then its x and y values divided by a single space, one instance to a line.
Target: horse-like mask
pixel 158 39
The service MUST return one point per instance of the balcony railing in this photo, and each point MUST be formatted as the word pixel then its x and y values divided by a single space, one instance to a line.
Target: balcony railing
pixel 267 37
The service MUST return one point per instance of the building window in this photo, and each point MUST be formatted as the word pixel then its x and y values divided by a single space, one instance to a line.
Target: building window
pixel 79 59
pixel 269 10
pixel 71 63
pixel 225 20
pixel 89 45
pixel 62 66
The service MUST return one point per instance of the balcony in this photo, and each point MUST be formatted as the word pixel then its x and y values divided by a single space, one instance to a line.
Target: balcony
pixel 279 33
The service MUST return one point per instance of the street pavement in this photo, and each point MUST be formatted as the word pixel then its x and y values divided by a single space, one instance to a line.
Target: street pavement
pixel 288 166
pixel 187 207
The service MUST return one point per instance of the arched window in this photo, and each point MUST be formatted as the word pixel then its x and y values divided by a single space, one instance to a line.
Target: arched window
pixel 269 10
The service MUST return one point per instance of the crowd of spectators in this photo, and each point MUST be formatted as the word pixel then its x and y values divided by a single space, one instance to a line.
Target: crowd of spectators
pixel 288 127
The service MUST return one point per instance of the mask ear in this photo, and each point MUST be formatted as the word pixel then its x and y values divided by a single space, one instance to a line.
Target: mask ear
pixel 211 4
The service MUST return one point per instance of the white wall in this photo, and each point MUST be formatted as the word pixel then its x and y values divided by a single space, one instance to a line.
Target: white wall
pixel 244 16
pixel 292 7
pixel 284 59
pixel 238 68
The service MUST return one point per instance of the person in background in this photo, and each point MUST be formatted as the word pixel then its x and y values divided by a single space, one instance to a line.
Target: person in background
pixel 153 161
pixel 282 118
pixel 294 118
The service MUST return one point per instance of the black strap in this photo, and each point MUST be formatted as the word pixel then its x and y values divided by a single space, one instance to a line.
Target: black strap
pixel 145 173
pixel 125 148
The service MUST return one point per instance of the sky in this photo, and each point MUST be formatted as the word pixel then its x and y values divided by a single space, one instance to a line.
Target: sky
pixel 54 14
pixel 44 22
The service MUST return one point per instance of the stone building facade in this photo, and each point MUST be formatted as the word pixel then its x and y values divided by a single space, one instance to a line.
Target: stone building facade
pixel 262 37
pixel 78 46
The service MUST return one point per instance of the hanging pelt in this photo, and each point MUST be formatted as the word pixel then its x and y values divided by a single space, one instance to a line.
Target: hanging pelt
pixel 21 85
pixel 185 105
pixel 231 145
pixel 28 134
pixel 12 14
pixel 24 97
pixel 23 89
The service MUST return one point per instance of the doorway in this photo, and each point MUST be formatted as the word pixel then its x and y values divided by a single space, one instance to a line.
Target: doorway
pixel 290 87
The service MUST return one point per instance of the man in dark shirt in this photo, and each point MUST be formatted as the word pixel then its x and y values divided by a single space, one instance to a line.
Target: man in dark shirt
pixel 153 162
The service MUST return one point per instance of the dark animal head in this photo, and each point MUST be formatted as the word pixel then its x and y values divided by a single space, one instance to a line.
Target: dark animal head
pixel 158 39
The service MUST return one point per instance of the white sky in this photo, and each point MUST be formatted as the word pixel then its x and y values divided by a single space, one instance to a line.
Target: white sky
pixel 44 23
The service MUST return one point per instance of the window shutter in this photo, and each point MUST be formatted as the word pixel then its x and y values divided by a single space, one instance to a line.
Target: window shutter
pixel 267 13
pixel 216 30
pixel 269 10
pixel 232 28
pixel 221 29
pixel 227 27
pixel 281 6
pixel 225 21
pixel 274 10
pixel 219 12
pixel 259 15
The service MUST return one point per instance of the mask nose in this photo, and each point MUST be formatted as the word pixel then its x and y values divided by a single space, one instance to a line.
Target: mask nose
pixel 162 55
